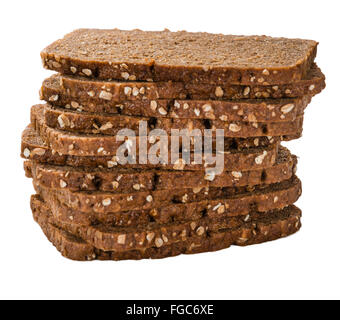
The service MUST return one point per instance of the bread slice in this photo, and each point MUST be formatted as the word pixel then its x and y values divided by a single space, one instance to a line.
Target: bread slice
pixel 222 203
pixel 99 202
pixel 86 94
pixel 101 145
pixel 75 248
pixel 88 123
pixel 180 56
pixel 128 180
pixel 33 148
pixel 86 98
pixel 109 238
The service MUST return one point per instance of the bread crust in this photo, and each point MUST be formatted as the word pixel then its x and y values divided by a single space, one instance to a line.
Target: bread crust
pixel 85 94
pixel 123 55
pixel 75 248
pixel 127 180
pixel 216 204
pixel 103 124
pixel 33 148
pixel 99 145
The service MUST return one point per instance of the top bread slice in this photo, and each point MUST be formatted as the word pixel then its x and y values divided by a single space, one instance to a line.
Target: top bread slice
pixel 180 56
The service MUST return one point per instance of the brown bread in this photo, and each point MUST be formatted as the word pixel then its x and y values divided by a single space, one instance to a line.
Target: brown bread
pixel 87 95
pixel 224 204
pixel 180 56
pixel 92 145
pixel 96 202
pixel 108 238
pixel 263 110
pixel 33 148
pixel 87 123
pixel 128 180
pixel 75 248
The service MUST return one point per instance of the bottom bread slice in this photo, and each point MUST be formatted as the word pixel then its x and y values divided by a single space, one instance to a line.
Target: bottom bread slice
pixel 250 233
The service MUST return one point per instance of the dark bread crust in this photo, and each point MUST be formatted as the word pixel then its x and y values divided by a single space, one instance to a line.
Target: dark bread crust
pixel 88 123
pixel 33 148
pixel 129 180
pixel 110 238
pixel 94 145
pixel 124 55
pixel 93 202
pixel 260 110
pixel 85 94
pixel 218 203
pixel 99 145
pixel 75 248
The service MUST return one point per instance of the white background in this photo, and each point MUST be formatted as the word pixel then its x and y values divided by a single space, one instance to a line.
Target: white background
pixel 305 265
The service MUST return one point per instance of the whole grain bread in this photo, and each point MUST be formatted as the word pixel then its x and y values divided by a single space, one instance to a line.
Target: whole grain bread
pixel 109 238
pixel 88 123
pixel 94 145
pixel 101 145
pixel 75 248
pixel 271 197
pixel 180 56
pixel 133 98
pixel 33 148
pixel 234 110
pixel 127 180
pixel 99 202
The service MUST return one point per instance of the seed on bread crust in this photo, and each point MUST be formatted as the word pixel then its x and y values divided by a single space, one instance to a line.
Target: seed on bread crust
pixel 219 92
pixel 200 231
pixel 56 64
pixel 135 92
pixel 236 174
pixel 287 108
pixel 207 108
pixel 125 75
pixel 221 209
pixel 159 242
pixel 106 126
pixel 127 91
pixel 153 105
pixel 53 98
pixel 87 72
pixel 179 164
pixel 27 153
pixel 115 184
pixel 105 95
pixel 259 159
pixel 121 239
pixel 63 184
pixel 246 91
pixel 106 202
pixel 162 111
pixel 38 151
pixel 210 176
pixel 234 127
pixel 150 236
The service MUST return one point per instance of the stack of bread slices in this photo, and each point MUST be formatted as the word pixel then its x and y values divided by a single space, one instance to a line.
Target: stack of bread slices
pixel 91 205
